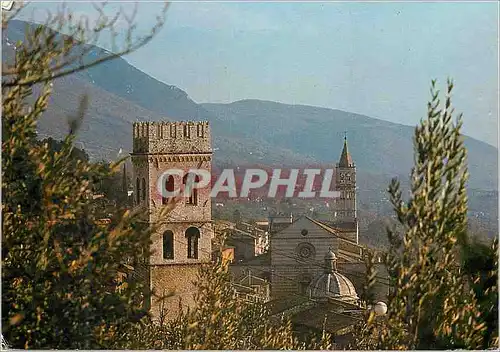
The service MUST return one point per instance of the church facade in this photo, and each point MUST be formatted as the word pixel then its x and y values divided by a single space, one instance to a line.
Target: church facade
pixel 295 262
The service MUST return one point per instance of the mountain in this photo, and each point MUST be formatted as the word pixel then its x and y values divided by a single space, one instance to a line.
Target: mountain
pixel 245 132
pixel 377 146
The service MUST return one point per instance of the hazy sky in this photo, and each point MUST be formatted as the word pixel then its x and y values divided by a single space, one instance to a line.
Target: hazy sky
pixel 372 58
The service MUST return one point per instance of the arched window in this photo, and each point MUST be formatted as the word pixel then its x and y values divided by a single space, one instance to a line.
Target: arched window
pixel 143 189
pixel 168 245
pixel 192 236
pixel 187 131
pixel 138 190
pixel 188 186
pixel 169 187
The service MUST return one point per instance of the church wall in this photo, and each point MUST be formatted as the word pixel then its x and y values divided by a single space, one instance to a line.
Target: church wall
pixel 291 270
pixel 290 281
pixel 285 245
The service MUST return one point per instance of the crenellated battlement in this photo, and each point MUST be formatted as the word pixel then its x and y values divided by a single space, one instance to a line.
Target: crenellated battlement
pixel 171 129
pixel 172 137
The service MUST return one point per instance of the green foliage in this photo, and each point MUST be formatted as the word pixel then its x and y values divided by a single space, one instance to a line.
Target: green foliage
pixel 433 304
pixel 480 266
pixel 65 282
pixel 219 320
pixel 59 267
pixel 57 146
pixel 113 187
pixel 236 216
pixel 62 272
pixel 367 296
pixel 367 332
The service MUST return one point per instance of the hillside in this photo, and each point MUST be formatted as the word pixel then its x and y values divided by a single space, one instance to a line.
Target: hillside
pixel 249 131
pixel 378 147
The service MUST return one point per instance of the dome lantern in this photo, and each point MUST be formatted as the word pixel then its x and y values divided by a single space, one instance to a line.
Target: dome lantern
pixel 330 262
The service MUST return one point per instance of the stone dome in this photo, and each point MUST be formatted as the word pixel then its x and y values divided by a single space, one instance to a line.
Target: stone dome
pixel 331 283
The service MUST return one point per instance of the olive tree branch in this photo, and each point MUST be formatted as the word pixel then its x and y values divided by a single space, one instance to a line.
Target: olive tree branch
pixel 69 43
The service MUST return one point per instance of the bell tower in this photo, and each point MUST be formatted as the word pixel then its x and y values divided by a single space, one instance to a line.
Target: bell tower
pixel 182 242
pixel 345 211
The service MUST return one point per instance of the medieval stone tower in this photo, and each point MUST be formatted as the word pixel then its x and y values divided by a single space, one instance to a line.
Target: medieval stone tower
pixel 345 212
pixel 183 239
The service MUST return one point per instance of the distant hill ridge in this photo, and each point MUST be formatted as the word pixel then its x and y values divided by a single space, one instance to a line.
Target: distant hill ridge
pixel 244 132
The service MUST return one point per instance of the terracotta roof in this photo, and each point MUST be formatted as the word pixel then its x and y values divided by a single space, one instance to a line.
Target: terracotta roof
pixel 345 304
pixel 312 313
pixel 348 257
pixel 332 230
pixel 334 322
pixel 293 303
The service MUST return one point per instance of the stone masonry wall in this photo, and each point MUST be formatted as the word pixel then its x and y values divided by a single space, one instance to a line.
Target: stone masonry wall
pixel 177 280
pixel 158 147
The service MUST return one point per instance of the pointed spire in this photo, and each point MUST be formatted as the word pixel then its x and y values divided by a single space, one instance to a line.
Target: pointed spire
pixel 345 157
pixel 330 262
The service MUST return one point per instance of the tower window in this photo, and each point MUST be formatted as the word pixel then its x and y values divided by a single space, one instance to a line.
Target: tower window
pixel 186 131
pixel 138 190
pixel 200 131
pixel 192 236
pixel 169 187
pixel 168 245
pixel 143 189
pixel 173 131
pixel 160 131
pixel 189 180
